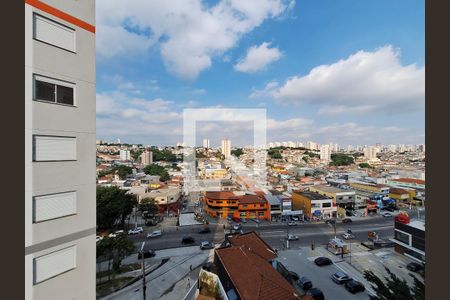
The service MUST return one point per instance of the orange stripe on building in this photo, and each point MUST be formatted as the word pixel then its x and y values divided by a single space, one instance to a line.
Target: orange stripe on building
pixel 60 14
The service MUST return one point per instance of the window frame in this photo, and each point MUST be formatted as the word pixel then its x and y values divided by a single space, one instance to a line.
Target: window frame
pixel 55 82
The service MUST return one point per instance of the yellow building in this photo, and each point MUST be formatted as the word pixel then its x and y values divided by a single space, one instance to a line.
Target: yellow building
pixel 402 195
pixel 313 204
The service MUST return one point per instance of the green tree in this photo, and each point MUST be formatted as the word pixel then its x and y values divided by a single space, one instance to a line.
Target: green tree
pixel 274 153
pixel 122 248
pixel 113 204
pixel 395 288
pixel 135 154
pixel 237 152
pixel 123 171
pixel 340 159
pixel 155 169
pixel 365 165
pixel 114 250
pixel 149 205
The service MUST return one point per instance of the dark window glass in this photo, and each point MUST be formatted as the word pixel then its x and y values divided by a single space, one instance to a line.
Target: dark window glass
pixel 402 237
pixel 64 95
pixel 45 91
pixel 326 204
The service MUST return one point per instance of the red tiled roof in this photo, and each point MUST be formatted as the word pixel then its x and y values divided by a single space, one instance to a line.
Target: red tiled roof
pixel 253 242
pixel 410 180
pixel 250 199
pixel 253 277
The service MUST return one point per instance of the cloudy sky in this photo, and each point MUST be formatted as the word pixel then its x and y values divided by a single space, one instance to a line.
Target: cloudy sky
pixel 347 71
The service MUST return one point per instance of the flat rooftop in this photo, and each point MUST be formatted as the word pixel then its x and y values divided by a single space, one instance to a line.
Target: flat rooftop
pixel 330 189
pixel 312 195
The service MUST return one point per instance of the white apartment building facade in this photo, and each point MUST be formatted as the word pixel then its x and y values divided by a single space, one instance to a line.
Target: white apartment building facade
pixel 325 153
pixel 125 155
pixel 206 143
pixel 226 148
pixel 60 205
pixel 147 158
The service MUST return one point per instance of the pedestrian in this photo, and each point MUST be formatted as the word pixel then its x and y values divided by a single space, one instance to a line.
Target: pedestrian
pixel 189 282
pixel 190 267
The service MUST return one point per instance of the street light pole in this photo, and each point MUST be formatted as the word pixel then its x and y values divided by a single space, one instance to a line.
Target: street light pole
pixel 144 286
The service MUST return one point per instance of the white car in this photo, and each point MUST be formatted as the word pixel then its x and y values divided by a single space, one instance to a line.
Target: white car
pixel 386 215
pixel 292 237
pixel 348 236
pixel 98 238
pixel 113 235
pixel 292 223
pixel 136 230
pixel 154 234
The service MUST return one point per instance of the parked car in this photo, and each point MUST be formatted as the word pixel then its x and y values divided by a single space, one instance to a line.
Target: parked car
pixel 388 208
pixel 154 234
pixel 340 277
pixel 414 267
pixel 323 261
pixel 294 218
pixel 347 221
pixel 115 234
pixel 292 237
pixel 187 240
pixel 349 213
pixel 354 286
pixel 204 230
pixel 257 221
pixel 315 293
pixel 243 220
pixel 292 223
pixel 236 226
pixel 330 221
pixel 294 275
pixel 305 283
pixel 386 215
pixel 136 230
pixel 98 238
pixel 348 236
pixel 147 254
pixel 206 245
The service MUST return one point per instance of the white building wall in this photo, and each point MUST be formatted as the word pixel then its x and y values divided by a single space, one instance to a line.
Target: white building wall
pixel 44 236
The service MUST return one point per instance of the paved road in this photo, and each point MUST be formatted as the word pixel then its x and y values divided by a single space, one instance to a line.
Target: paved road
pixel 273 233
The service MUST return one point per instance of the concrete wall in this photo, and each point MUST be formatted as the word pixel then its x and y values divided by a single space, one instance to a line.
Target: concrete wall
pixel 53 177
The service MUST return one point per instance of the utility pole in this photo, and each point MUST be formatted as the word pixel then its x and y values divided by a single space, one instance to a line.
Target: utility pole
pixel 144 286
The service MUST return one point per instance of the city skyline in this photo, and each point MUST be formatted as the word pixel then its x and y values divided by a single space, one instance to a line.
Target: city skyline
pixel 263 60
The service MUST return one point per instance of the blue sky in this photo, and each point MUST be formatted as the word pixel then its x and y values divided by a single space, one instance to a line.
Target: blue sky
pixel 348 72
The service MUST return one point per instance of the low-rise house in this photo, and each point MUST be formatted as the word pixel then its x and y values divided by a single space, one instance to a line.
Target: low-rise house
pixel 260 280
pixel 313 204
pixel 344 199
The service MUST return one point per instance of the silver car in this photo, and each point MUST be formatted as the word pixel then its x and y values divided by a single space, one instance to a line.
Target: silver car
pixel 340 277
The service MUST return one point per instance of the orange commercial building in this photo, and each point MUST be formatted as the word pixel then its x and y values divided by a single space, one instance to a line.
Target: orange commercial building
pixel 226 204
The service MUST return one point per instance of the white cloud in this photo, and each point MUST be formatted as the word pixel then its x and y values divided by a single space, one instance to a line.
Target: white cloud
pixel 257 58
pixel 364 82
pixel 188 34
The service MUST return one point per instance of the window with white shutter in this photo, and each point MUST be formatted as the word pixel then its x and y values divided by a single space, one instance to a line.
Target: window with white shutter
pixel 54 148
pixel 53 33
pixel 54 264
pixel 53 206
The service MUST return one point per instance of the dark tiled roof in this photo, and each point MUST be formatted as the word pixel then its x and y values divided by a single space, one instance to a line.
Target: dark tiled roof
pixel 220 195
pixel 253 277
pixel 397 191
pixel 312 195
pixel 253 242
pixel 250 199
